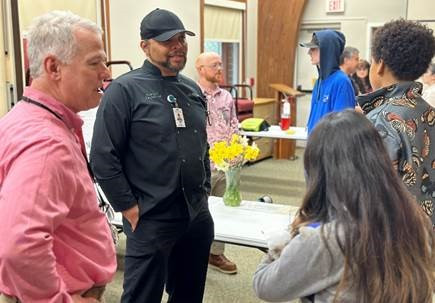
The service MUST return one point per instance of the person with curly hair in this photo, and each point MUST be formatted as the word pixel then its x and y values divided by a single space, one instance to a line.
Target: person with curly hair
pixel 401 52
pixel 359 236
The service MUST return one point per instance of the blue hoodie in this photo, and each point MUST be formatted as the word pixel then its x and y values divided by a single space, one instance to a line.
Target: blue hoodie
pixel 333 90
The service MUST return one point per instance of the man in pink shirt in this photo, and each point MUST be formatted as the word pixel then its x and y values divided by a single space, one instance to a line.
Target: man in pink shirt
pixel 222 125
pixel 56 244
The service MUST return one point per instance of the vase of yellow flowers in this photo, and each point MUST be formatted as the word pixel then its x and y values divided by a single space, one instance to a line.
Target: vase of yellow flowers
pixel 232 192
pixel 229 157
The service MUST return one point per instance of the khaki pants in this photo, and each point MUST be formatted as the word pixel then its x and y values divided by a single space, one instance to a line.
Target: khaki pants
pixel 217 189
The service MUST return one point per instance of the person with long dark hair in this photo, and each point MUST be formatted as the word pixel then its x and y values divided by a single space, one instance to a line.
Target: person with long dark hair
pixel 359 235
pixel 361 77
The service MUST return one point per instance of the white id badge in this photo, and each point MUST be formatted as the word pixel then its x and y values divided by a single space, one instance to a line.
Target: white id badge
pixel 179 118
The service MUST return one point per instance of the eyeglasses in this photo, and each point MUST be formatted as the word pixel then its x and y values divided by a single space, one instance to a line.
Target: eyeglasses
pixel 214 65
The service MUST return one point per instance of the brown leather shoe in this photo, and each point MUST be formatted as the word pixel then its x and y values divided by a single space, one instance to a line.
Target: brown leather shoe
pixel 221 263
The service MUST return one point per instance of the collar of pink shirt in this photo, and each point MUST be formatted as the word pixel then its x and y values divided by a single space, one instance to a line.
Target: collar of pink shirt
pixel 211 93
pixel 70 118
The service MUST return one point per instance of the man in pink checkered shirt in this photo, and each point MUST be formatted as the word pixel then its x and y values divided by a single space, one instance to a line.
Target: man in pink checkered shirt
pixel 221 126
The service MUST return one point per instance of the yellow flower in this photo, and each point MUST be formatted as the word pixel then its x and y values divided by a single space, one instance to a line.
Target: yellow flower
pixel 235 139
pixel 251 153
pixel 233 153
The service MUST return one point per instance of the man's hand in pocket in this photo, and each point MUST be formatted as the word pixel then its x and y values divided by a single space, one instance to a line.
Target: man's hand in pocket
pixel 132 215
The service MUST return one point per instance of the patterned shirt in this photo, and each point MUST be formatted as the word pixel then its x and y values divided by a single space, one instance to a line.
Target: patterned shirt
pixel 406 124
pixel 222 116
pixel 222 119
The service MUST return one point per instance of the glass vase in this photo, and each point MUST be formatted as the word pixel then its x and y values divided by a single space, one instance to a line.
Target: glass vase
pixel 232 190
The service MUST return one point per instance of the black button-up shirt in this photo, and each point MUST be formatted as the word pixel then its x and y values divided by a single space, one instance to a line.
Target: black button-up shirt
pixel 138 153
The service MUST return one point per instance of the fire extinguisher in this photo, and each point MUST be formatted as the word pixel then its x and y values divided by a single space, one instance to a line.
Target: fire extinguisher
pixel 285 114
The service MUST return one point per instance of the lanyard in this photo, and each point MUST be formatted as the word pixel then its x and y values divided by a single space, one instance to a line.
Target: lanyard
pixel 43 106
pixel 28 100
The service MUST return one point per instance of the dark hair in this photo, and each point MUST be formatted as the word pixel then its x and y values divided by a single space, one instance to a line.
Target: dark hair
pixel 385 237
pixel 363 64
pixel 348 52
pixel 406 47
pixel 364 85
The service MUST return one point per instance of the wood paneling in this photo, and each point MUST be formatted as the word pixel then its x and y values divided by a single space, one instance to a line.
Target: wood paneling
pixel 278 31
pixel 201 25
pixel 19 81
pixel 265 108
pixel 105 25
pixel 244 45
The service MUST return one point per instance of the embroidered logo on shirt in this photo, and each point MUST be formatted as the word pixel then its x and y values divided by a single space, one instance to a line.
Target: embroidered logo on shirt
pixel 152 95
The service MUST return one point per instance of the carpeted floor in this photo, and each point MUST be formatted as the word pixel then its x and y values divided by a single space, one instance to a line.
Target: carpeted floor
pixel 283 180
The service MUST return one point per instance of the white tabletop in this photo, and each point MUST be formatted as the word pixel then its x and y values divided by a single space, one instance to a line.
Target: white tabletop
pixel 295 133
pixel 246 224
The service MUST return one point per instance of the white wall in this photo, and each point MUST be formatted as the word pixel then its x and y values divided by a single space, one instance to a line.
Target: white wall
pixel 29 9
pixel 421 10
pixel 125 18
pixel 374 10
pixel 357 18
pixel 251 45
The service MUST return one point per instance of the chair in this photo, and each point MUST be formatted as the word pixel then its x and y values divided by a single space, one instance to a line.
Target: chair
pixel 106 82
pixel 244 105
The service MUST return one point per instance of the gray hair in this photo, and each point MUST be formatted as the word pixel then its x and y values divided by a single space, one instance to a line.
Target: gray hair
pixel 53 34
pixel 347 53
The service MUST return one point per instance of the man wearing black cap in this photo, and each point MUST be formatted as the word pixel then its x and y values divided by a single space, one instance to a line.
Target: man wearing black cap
pixel 333 90
pixel 150 155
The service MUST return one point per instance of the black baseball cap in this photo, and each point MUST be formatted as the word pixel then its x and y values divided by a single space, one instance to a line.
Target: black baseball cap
pixel 161 25
pixel 314 43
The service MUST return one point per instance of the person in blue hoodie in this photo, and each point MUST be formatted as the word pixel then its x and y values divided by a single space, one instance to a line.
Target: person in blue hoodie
pixel 333 90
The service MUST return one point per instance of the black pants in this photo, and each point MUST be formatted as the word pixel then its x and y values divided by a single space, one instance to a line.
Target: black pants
pixel 171 252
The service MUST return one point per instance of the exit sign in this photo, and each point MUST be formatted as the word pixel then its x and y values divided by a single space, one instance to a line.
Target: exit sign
pixel 334 6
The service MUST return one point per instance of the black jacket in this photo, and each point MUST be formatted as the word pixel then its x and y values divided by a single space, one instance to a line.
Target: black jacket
pixel 138 155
